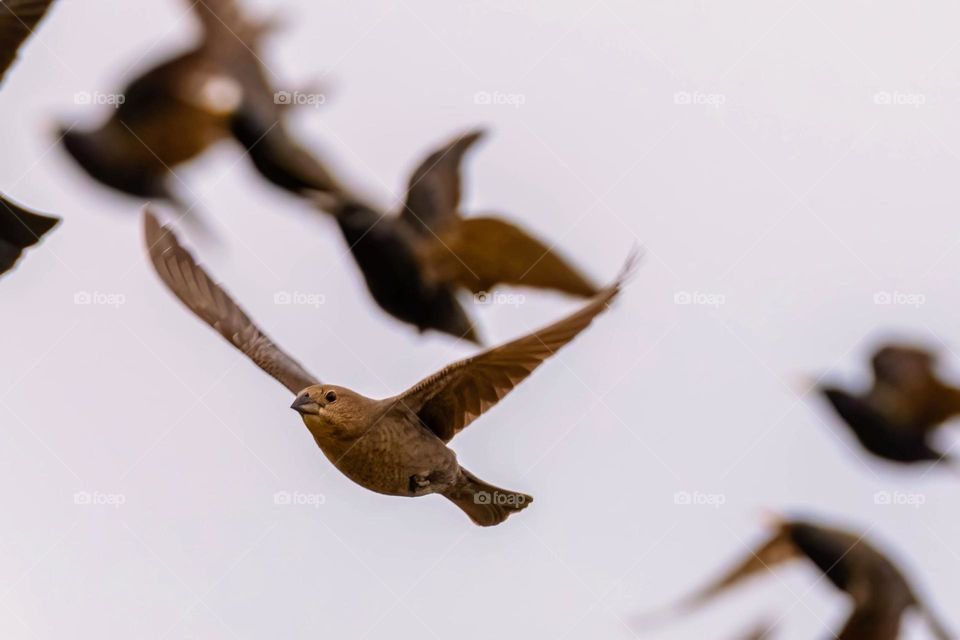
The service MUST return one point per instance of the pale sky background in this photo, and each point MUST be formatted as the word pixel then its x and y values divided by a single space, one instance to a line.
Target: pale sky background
pixel 786 189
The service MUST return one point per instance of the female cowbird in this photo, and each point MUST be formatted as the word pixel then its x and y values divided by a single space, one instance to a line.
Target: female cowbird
pixel 879 592
pixel 415 262
pixel 395 446
pixel 907 403
pixel 19 227
pixel 178 109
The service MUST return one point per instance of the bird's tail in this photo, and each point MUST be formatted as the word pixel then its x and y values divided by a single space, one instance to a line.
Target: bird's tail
pixel 20 227
pixel 485 504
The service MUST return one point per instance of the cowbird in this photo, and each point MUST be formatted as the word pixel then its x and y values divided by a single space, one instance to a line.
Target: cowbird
pixel 879 592
pixel 398 445
pixel 414 263
pixel 20 228
pixel 175 111
pixel 897 416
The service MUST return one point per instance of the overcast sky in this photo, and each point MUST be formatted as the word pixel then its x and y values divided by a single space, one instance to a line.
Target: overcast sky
pixel 786 164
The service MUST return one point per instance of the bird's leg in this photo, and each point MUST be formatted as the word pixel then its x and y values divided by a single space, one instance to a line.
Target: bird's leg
pixel 419 482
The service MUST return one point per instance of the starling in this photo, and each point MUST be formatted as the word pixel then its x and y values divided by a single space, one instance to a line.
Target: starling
pixel 878 590
pixel 19 227
pixel 907 403
pixel 414 263
pixel 178 109
pixel 395 446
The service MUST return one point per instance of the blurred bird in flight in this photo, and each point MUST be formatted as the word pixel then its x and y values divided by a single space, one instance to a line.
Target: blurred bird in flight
pixel 175 111
pixel 896 417
pixel 415 262
pixel 878 590
pixel 395 446
pixel 20 228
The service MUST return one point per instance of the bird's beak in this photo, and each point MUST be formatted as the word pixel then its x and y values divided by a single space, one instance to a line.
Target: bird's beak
pixel 304 405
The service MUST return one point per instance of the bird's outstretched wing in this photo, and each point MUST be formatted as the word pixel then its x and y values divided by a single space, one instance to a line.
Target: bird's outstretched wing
pixel 433 194
pixel 19 229
pixel 194 287
pixel 18 19
pixel 481 253
pixel 451 399
pixel 872 621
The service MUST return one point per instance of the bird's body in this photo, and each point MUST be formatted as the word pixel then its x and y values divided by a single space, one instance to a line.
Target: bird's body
pixel 20 228
pixel 880 593
pixel 415 262
pixel 906 404
pixel 399 445
pixel 177 110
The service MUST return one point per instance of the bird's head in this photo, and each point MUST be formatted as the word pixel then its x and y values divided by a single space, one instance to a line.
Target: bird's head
pixel 327 409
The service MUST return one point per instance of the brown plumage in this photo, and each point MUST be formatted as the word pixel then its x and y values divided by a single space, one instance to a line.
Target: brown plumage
pixel 906 405
pixel 398 445
pixel 179 108
pixel 20 228
pixel 416 261
pixel 878 591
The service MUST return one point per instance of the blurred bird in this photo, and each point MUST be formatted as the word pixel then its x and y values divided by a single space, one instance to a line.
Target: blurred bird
pixel 414 263
pixel 19 227
pixel 878 590
pixel 175 111
pixel 907 403
pixel 395 446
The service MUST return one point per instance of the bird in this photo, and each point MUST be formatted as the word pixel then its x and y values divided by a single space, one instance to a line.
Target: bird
pixel 877 588
pixel 398 445
pixel 20 227
pixel 178 109
pixel 907 403
pixel 415 262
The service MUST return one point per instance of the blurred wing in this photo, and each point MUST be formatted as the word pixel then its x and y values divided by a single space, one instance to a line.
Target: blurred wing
pixel 872 621
pixel 903 367
pixel 451 399
pixel 433 195
pixel 480 253
pixel 19 229
pixel 18 19
pixel 194 287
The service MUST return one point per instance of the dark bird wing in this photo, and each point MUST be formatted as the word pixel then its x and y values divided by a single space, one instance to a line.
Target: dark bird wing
pixel 19 229
pixel 434 191
pixel 18 19
pixel 480 253
pixel 872 621
pixel 194 287
pixel 451 399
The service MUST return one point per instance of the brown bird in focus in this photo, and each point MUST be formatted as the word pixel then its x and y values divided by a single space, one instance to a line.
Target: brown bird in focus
pixel 879 592
pixel 907 403
pixel 395 446
pixel 414 263
pixel 20 228
pixel 174 112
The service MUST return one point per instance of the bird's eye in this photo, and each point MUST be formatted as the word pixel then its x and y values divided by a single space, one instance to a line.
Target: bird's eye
pixel 331 396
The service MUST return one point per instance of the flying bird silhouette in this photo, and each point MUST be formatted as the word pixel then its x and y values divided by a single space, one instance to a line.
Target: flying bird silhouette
pixel 877 588
pixel 178 109
pixel 395 446
pixel 415 262
pixel 20 228
pixel 907 403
